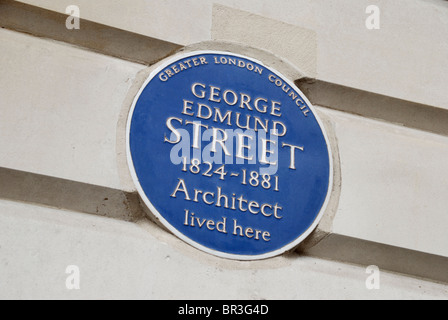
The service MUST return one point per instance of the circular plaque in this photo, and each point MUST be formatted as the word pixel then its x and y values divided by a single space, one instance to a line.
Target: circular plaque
pixel 229 155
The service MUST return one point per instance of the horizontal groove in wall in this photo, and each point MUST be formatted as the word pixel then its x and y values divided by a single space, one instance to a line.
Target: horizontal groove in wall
pixel 92 36
pixel 64 194
pixel 376 106
pixel 421 265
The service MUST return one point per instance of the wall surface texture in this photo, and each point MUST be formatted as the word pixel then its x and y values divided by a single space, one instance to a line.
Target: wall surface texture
pixel 67 198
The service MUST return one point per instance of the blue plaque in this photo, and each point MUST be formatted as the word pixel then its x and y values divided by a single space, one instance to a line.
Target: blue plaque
pixel 229 155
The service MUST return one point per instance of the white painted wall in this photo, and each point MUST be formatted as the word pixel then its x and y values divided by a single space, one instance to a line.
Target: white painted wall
pixel 143 262
pixel 404 59
pixel 60 108
pixel 393 178
pixel 393 184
